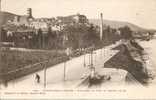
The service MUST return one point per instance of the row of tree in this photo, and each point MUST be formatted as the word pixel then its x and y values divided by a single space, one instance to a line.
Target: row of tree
pixel 75 36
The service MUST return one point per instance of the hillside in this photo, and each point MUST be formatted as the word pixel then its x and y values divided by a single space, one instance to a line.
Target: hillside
pixel 117 24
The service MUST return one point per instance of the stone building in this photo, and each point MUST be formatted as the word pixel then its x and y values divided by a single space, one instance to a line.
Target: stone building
pixel 24 19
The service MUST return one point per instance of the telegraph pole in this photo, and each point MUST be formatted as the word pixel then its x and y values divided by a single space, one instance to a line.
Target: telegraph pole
pixel 84 59
pixel 89 59
pixel 101 30
pixel 64 72
pixel 101 27
pixel 45 70
pixel 101 35
pixel 67 53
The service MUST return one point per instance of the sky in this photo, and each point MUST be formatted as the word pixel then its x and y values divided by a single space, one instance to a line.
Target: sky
pixel 139 12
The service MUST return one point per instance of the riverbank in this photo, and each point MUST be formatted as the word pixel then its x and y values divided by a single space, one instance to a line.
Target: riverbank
pixel 149 47
pixel 130 58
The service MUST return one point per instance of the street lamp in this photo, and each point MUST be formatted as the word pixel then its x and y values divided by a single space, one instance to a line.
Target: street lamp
pixel 45 70
pixel 65 39
pixel 89 59
pixel 64 75
pixel 84 58
pixel 95 58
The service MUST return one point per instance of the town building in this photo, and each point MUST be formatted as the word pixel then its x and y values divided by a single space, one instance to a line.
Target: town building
pixel 72 19
pixel 56 24
pixel 24 19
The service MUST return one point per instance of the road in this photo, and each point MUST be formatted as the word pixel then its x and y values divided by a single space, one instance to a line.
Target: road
pixel 75 70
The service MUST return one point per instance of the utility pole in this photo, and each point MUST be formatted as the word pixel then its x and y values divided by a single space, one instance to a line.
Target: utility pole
pixel 95 58
pixel 84 58
pixel 101 35
pixel 67 53
pixel 91 58
pixel 101 27
pixel 45 70
pixel 64 75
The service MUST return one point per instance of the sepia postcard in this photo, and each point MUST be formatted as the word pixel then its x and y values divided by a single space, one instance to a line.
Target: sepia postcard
pixel 78 49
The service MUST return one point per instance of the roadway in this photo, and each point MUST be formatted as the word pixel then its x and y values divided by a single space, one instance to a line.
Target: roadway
pixel 75 70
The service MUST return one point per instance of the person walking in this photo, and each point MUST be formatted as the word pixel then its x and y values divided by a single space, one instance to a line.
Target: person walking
pixel 37 78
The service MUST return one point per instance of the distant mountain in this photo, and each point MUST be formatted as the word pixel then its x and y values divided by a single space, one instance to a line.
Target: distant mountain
pixel 5 16
pixel 117 24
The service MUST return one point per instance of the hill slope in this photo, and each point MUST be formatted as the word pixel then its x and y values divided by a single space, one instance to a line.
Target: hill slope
pixel 117 24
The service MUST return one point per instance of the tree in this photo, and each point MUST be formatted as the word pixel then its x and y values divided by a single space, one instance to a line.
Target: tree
pixel 71 36
pixel 91 37
pixel 40 38
pixel 52 40
pixel 126 32
pixel 81 35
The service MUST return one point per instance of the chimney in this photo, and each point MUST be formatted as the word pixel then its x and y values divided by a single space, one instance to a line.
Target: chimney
pixel 29 12
pixel 101 26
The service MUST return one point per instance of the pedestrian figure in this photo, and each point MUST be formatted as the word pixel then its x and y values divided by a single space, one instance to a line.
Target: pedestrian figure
pixel 37 78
